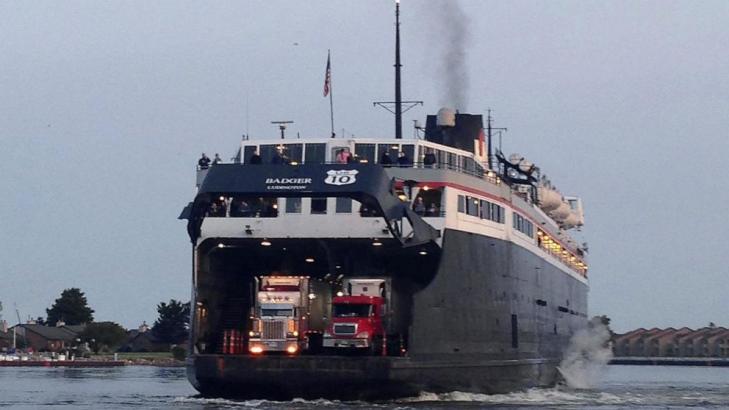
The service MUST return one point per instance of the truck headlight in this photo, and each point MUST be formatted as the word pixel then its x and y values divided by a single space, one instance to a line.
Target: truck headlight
pixel 292 334
pixel 254 334
pixel 363 335
pixel 327 334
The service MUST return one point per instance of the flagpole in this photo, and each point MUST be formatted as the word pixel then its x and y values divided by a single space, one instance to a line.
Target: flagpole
pixel 331 98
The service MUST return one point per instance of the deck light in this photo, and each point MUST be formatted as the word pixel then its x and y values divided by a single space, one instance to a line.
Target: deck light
pixel 309 260
pixel 312 296
pixel 265 242
pixel 426 188
pixel 376 243
pixel 340 293
pixel 423 252
pixel 221 246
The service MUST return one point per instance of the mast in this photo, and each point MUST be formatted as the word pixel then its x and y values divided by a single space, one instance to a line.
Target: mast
pixel 398 91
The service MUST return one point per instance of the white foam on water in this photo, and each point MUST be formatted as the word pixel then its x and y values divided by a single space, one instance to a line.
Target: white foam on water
pixel 587 356
pixel 256 403
pixel 542 397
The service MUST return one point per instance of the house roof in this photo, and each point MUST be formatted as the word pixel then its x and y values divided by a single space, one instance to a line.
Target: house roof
pixel 75 328
pixel 51 332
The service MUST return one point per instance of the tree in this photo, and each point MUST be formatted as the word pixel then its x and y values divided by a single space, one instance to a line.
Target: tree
pixel 173 321
pixel 71 308
pixel 103 336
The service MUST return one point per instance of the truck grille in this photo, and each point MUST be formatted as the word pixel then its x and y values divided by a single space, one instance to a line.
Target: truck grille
pixel 273 329
pixel 344 329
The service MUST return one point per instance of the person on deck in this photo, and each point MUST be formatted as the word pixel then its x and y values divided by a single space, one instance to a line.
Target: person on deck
pixel 403 160
pixel 385 159
pixel 255 158
pixel 217 159
pixel 419 206
pixel 203 162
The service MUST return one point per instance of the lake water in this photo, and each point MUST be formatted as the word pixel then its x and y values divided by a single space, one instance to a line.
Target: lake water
pixel 645 387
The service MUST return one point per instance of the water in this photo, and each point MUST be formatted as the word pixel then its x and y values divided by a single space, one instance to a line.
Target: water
pixel 644 387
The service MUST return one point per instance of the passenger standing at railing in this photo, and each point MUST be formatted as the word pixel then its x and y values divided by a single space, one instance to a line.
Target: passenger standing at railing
pixel 429 158
pixel 343 156
pixel 403 160
pixel 203 162
pixel 385 159
pixel 432 210
pixel 255 158
pixel 217 159
pixel 419 206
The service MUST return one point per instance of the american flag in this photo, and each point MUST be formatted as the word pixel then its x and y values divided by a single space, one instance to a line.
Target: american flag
pixel 328 76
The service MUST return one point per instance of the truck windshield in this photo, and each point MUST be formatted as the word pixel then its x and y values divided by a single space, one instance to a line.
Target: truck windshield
pixel 277 312
pixel 352 310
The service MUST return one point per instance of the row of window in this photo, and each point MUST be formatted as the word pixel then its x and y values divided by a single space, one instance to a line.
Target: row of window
pixel 316 153
pixel 247 207
pixel 523 225
pixel 481 209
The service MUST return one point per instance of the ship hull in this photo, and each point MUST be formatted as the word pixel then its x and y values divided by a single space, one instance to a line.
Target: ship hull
pixel 496 317
pixel 358 378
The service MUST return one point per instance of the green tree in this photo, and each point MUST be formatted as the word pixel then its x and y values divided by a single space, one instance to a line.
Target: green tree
pixel 173 321
pixel 103 336
pixel 71 308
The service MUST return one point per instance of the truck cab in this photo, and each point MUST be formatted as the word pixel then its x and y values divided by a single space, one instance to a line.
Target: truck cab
pixel 275 329
pixel 356 323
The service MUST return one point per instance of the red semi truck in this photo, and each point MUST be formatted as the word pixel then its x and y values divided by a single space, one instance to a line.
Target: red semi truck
pixel 359 319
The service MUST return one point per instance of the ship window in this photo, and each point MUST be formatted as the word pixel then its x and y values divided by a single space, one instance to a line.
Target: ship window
pixel 392 150
pixel 471 206
pixel 248 151
pixel 293 152
pixel 293 205
pixel 452 160
pixel 461 203
pixel 514 331
pixel 266 152
pixel 315 153
pixel 365 152
pixel 523 225
pixel 318 206
pixel 344 205
pixel 469 165
pixel 431 201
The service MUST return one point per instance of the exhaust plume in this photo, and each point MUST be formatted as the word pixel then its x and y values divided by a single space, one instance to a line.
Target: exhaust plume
pixel 587 356
pixel 452 39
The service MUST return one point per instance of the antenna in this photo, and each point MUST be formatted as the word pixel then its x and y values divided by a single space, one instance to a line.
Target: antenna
pixel 282 126
pixel 398 110
pixel 489 134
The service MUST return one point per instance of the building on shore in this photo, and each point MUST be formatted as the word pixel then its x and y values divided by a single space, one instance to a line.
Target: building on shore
pixel 684 342
pixel 43 338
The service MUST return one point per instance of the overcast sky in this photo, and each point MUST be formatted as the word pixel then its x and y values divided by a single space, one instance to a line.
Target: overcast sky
pixel 105 107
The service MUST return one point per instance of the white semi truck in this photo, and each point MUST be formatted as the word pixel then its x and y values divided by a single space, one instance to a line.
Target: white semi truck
pixel 279 315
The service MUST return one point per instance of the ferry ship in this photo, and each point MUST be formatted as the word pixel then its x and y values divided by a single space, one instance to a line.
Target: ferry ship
pixel 366 268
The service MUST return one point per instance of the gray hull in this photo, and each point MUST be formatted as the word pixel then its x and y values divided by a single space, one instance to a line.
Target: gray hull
pixel 494 318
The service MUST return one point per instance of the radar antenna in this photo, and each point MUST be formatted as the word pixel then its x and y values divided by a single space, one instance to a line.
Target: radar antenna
pixel 282 126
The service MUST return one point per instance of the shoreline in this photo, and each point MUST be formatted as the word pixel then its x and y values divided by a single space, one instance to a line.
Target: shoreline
pixel 671 361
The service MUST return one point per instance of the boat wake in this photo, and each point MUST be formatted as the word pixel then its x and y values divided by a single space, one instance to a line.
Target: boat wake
pixel 587 356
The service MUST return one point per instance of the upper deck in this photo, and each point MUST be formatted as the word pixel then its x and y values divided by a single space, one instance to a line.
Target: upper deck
pixel 459 192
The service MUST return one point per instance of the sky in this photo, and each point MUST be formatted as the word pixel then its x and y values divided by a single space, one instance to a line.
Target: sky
pixel 106 106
